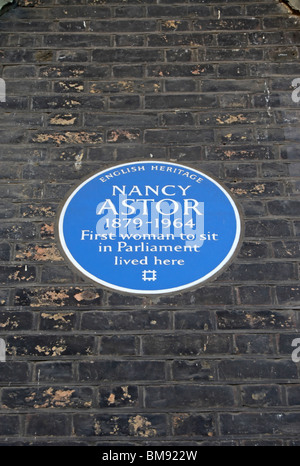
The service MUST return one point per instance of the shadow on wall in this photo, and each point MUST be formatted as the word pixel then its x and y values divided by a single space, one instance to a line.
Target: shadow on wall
pixel 293 4
pixel 6 5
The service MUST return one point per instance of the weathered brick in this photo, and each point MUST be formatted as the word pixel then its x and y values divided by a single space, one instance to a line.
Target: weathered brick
pixel 16 320
pixel 17 274
pixel 135 425
pixel 36 297
pixel 207 83
pixel 50 345
pixel 256 319
pixel 38 252
pixel 47 397
pixel 52 321
pixel 261 395
pixel 118 396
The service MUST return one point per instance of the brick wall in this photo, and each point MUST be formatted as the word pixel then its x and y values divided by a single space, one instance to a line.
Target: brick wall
pixel 202 82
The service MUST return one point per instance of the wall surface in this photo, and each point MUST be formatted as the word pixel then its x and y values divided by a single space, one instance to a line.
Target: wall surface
pixel 202 82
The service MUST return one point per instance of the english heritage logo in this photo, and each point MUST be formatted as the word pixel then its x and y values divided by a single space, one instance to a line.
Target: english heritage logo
pixel 149 227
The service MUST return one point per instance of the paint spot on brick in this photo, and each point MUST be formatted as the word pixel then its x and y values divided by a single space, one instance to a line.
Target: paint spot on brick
pixel 139 426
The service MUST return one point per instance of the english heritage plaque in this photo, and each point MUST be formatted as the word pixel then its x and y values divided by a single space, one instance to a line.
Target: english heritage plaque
pixel 149 227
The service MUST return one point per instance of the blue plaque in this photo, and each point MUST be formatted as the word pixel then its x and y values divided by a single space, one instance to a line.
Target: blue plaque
pixel 149 227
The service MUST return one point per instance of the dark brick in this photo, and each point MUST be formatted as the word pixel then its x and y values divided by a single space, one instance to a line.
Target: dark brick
pixel 60 372
pixel 178 10
pixel 123 135
pixel 254 250
pixel 60 102
pixel 254 344
pixel 56 274
pixel 121 370
pixel 68 86
pixel 119 345
pixel 17 274
pixel 179 55
pixel 261 395
pixel 271 270
pixel 168 40
pixel 260 294
pixel 254 423
pixel 125 102
pixel 255 319
pixel 230 71
pixel 285 346
pixel 9 425
pixel 186 345
pixel 126 320
pixel 193 320
pixel 178 119
pixel 4 252
pixel 58 321
pixel 36 297
pixel 124 26
pixel 240 153
pixel 127 56
pixel 179 101
pixel 285 208
pixel 12 320
pixel 50 424
pixel 181 71
pixel 120 120
pixel 191 425
pixel 195 397
pixel 128 71
pixel 293 395
pixel 24 231
pixel 73 11
pixel 268 228
pixel 194 370
pixel 73 71
pixel 288 294
pixel 14 372
pixel 47 397
pixel 247 369
pixel 134 425
pixel 77 40
pixel 229 24
pixel 177 136
pixel 50 345
pixel 120 396
pixel 286 249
